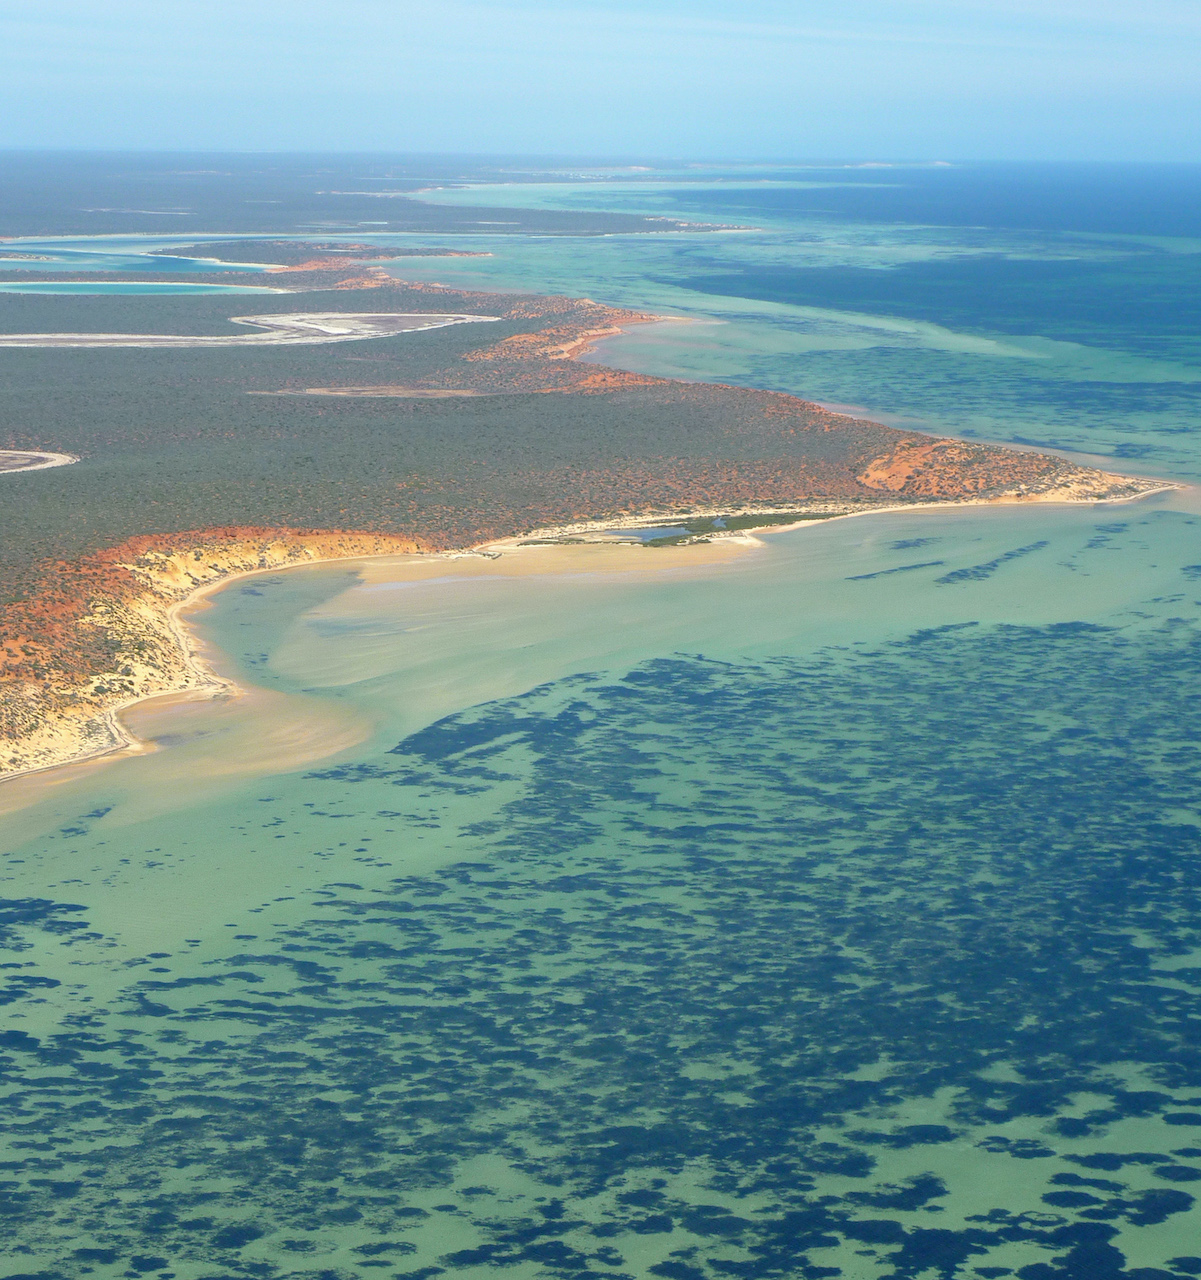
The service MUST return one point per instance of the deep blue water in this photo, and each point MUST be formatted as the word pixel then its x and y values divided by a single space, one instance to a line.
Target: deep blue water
pixel 1126 199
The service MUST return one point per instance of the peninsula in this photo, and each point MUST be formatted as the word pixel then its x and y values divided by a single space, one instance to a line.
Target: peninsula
pixel 376 418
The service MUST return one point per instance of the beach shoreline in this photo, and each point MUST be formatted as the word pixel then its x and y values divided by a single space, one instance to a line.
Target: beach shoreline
pixel 817 512
pixel 104 735
pixel 151 583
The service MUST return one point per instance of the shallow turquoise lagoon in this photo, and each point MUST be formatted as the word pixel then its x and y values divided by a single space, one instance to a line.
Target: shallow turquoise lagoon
pixel 827 906
pixel 124 286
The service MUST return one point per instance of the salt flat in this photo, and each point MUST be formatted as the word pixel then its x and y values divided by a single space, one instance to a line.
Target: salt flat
pixel 311 327
pixel 24 460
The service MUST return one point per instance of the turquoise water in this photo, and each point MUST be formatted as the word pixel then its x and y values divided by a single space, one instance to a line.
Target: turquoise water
pixel 827 906
pixel 127 254
pixel 123 286
pixel 1070 322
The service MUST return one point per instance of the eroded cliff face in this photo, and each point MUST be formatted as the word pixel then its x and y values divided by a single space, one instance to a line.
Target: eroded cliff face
pixel 107 635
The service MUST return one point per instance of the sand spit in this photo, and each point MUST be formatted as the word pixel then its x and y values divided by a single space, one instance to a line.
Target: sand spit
pixel 25 460
pixel 300 328
pixel 1104 487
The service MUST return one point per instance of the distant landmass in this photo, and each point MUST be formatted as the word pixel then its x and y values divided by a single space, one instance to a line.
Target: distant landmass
pixel 304 254
pixel 71 194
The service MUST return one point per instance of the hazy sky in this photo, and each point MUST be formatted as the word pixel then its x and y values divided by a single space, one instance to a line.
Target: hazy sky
pixel 1004 79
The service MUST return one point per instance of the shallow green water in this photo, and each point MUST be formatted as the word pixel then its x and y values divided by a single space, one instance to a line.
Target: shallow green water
pixel 828 910
pixel 831 908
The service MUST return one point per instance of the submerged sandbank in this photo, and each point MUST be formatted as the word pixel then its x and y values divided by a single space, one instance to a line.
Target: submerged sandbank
pixel 139 725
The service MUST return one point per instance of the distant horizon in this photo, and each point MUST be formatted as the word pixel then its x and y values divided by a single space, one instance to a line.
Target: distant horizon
pixel 602 160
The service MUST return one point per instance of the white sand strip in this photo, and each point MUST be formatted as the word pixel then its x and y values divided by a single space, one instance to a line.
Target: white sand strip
pixel 23 460
pixel 326 326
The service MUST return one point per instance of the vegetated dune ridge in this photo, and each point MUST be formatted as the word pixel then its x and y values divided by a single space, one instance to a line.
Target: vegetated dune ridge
pixel 87 633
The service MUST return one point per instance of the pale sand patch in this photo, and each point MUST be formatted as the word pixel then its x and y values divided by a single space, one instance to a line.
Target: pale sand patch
pixel 200 744
pixel 516 558
pixel 30 460
pixel 301 328
pixel 194 743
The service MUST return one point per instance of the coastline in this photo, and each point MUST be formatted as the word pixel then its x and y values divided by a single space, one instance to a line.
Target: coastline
pixel 83 722
pixel 147 585
pixel 102 734
pixel 810 514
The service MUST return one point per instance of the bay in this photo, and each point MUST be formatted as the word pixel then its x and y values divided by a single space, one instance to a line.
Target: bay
pixel 820 904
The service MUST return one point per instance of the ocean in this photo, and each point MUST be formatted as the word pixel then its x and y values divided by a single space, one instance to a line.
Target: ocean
pixel 827 904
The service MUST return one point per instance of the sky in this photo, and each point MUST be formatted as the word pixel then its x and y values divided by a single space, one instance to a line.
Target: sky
pixel 699 79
